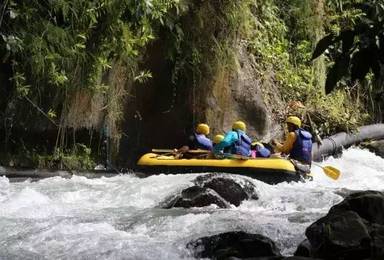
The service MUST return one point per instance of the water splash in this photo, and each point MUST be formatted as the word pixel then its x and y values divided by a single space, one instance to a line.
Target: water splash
pixel 117 218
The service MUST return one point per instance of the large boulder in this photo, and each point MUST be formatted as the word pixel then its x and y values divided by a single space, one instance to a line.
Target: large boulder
pixel 217 189
pixel 197 196
pixel 352 229
pixel 233 188
pixel 236 244
pixel 369 205
pixel 304 249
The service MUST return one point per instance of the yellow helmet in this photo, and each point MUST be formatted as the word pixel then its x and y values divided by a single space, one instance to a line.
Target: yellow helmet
pixel 294 120
pixel 239 125
pixel 218 138
pixel 202 129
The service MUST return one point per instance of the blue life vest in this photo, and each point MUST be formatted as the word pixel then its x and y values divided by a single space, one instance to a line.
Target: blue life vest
pixel 202 142
pixel 302 148
pixel 262 152
pixel 243 144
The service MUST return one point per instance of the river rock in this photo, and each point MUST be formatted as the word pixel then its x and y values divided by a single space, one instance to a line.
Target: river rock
pixel 234 245
pixel 304 249
pixel 234 190
pixel 376 147
pixel 228 189
pixel 197 196
pixel 215 189
pixel 352 229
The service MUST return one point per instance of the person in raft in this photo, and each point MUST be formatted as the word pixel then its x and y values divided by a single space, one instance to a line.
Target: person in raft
pixel 297 145
pixel 217 139
pixel 197 140
pixel 236 141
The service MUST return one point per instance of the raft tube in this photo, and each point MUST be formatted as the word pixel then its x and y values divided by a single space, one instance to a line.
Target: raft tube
pixel 269 170
pixel 334 144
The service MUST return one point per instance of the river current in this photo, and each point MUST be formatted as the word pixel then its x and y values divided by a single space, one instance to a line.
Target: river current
pixel 119 217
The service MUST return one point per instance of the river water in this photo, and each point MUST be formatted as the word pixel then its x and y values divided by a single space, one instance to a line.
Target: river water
pixel 118 217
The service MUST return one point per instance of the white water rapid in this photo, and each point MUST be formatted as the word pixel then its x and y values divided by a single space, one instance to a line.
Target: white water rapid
pixel 118 217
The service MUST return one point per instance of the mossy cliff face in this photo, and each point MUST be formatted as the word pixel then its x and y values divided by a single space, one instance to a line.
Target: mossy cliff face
pixel 159 115
pixel 201 72
pixel 237 95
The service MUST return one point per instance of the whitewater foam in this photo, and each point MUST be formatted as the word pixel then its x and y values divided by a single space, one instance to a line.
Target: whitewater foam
pixel 118 217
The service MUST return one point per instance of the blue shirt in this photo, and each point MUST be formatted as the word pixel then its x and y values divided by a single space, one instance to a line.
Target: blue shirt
pixel 230 138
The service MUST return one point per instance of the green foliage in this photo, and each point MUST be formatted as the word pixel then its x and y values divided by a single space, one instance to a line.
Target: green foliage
pixel 358 47
pixel 283 37
pixel 60 50
pixel 271 45
pixel 202 37
pixel 77 158
pixel 337 112
pixel 62 46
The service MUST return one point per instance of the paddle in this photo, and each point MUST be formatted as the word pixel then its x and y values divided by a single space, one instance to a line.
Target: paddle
pixel 330 171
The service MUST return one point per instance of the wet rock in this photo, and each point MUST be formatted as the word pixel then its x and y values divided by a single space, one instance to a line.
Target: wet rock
pixel 228 189
pixel 352 229
pixel 343 234
pixel 304 249
pixel 368 204
pixel 376 147
pixel 345 192
pixel 234 190
pixel 236 245
pixel 213 189
pixel 197 196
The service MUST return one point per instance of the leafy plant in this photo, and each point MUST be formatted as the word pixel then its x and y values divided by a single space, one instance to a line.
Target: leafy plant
pixel 357 49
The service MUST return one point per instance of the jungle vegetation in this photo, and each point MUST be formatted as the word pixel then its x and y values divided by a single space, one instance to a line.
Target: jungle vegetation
pixel 67 66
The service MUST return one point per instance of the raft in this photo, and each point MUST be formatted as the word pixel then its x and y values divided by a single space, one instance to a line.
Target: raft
pixel 269 170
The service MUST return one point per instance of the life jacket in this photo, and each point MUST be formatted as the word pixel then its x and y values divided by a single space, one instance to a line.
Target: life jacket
pixel 302 148
pixel 202 142
pixel 262 152
pixel 243 144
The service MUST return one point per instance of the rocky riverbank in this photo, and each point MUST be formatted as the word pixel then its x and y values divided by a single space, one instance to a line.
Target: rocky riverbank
pixel 14 174
pixel 352 229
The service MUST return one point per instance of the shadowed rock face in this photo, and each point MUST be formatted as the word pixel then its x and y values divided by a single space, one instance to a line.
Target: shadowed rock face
pixel 214 189
pixel 353 229
pixel 232 190
pixel 196 196
pixel 160 114
pixel 234 244
pixel 304 249
pixel 229 190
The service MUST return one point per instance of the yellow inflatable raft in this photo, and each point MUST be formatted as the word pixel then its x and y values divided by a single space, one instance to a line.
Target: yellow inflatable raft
pixel 270 170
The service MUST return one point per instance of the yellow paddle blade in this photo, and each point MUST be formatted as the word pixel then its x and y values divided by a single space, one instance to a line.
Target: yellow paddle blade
pixel 331 172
